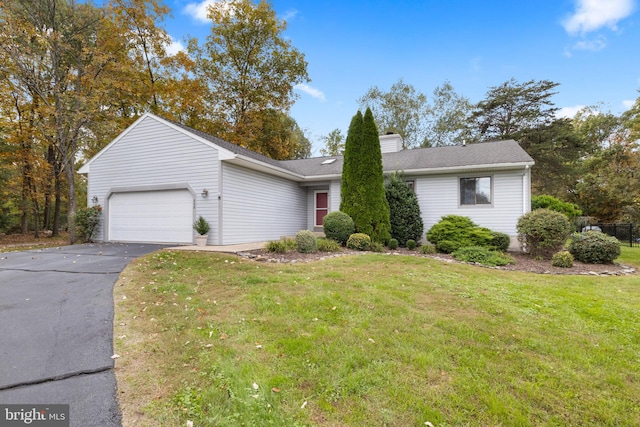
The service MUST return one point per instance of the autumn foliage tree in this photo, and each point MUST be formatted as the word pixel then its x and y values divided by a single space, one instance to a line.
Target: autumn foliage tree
pixel 249 69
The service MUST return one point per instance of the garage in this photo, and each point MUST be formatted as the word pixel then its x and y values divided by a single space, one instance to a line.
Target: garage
pixel 151 216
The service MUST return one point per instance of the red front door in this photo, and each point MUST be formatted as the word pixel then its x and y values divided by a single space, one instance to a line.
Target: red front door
pixel 322 206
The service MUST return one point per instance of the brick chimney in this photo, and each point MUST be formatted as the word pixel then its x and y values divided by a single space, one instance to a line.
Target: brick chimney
pixel 390 143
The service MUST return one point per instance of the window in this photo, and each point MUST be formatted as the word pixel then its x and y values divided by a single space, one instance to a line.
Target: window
pixel 475 191
pixel 321 207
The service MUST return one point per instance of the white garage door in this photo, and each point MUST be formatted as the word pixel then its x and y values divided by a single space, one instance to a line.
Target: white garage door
pixel 151 216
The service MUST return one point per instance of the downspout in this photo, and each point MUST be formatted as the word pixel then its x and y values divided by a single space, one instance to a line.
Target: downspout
pixel 525 193
pixel 220 210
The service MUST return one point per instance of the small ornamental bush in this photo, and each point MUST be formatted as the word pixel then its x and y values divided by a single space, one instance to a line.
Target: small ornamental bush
pixel 87 221
pixel 338 226
pixel 306 242
pixel 594 247
pixel 562 259
pixel 359 242
pixel 328 245
pixel 376 247
pixel 276 246
pixel 447 246
pixel 458 231
pixel 427 249
pixel 411 244
pixel 543 232
pixel 201 226
pixel 500 241
pixel 482 255
pixel 281 246
pixel 393 244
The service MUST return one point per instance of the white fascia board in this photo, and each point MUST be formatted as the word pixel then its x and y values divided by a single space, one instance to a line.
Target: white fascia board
pixel 257 165
pixel 314 178
pixel 454 169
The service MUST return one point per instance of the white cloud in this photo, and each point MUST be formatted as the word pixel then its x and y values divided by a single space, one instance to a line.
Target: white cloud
pixel 199 11
pixel 591 45
pixel 174 46
pixel 568 112
pixel 591 15
pixel 313 92
pixel 628 103
pixel 289 15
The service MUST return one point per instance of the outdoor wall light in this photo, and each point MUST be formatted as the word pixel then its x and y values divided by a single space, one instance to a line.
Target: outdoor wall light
pixel 94 199
pixel 205 192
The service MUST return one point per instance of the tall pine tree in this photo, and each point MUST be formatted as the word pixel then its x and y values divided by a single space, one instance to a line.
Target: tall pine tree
pixel 363 194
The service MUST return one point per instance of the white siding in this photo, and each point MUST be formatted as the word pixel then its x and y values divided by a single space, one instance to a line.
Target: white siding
pixel 335 196
pixel 260 207
pixel 155 155
pixel 439 196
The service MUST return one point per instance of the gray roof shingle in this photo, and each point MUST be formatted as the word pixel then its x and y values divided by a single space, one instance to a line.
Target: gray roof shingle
pixel 484 154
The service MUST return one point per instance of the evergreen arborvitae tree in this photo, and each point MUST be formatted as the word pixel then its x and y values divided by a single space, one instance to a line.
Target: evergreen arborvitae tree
pixel 406 220
pixel 350 201
pixel 363 194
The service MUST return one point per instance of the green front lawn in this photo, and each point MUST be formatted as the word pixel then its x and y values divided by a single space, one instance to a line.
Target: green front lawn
pixel 373 340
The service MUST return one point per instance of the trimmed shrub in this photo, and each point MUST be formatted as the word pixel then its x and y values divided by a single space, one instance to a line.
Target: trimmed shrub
pixel 359 241
pixel 562 259
pixel 427 249
pixel 87 221
pixel 594 247
pixel 338 226
pixel 458 231
pixel 376 247
pixel 549 202
pixel 543 232
pixel 447 246
pixel 276 246
pixel 281 246
pixel 500 241
pixel 328 245
pixel 306 242
pixel 393 244
pixel 201 226
pixel 482 255
pixel 404 209
pixel 411 244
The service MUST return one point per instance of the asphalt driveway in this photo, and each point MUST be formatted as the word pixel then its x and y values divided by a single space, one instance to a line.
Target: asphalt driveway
pixel 56 317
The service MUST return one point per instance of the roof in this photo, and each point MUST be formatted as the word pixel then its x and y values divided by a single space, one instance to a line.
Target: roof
pixel 505 154
pixel 496 154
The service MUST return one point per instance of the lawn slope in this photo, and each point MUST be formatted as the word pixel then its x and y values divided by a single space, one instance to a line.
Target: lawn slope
pixel 372 340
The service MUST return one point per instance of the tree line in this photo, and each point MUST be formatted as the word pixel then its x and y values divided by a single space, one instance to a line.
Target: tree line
pixel 73 75
pixel 591 160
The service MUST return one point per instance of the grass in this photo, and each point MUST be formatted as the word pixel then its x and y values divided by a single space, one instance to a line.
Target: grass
pixel 373 340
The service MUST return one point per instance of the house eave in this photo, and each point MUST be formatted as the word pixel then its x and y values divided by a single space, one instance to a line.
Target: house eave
pixel 249 163
pixel 467 168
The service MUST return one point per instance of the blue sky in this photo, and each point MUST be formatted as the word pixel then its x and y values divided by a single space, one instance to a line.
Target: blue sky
pixel 590 47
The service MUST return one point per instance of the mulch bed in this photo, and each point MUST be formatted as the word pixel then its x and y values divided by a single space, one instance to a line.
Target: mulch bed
pixel 523 262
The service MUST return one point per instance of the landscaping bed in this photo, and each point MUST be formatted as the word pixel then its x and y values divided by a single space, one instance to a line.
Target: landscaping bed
pixel 523 262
